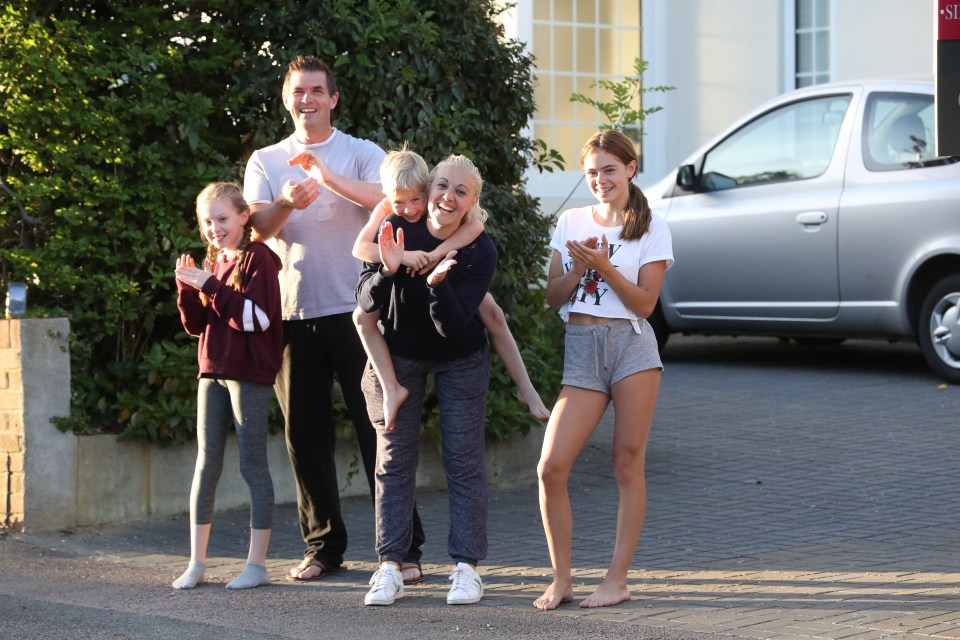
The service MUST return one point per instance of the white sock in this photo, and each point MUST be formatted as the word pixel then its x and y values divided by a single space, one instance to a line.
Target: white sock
pixel 253 575
pixel 191 577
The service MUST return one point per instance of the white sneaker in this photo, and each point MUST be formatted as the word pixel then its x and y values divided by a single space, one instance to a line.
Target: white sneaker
pixel 467 587
pixel 386 585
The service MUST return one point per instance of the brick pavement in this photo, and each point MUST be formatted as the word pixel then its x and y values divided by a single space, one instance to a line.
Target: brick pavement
pixel 793 493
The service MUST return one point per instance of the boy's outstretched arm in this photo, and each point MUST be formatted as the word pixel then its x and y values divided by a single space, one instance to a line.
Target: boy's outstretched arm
pixel 365 248
pixel 468 231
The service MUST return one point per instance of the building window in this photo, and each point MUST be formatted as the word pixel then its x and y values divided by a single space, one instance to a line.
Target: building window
pixel 575 43
pixel 812 42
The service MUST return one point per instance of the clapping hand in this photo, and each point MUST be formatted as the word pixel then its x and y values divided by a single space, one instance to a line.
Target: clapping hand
pixel 188 273
pixel 301 195
pixel 314 166
pixel 586 254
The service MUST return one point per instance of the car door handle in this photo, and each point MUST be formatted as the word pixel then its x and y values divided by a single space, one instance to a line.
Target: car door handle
pixel 812 217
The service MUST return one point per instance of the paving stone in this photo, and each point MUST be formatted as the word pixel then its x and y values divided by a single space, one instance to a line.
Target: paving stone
pixel 791 494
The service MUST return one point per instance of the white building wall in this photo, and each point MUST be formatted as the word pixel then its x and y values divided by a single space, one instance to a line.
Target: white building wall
pixel 884 37
pixel 725 57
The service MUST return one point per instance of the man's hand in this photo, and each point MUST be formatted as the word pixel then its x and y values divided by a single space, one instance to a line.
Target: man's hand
pixel 313 165
pixel 300 195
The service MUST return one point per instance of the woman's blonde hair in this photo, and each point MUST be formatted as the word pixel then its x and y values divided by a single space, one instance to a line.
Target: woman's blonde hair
pixel 231 192
pixel 637 217
pixel 476 211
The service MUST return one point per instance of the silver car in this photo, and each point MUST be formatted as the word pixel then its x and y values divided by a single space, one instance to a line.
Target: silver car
pixel 822 215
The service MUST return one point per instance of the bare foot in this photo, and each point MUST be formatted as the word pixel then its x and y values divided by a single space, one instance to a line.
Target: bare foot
pixel 391 405
pixel 411 573
pixel 532 399
pixel 607 595
pixel 311 569
pixel 554 596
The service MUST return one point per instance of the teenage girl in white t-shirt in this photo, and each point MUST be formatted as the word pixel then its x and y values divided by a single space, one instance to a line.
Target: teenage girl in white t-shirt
pixel 605 275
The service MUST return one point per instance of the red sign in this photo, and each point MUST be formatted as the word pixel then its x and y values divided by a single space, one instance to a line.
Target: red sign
pixel 948 20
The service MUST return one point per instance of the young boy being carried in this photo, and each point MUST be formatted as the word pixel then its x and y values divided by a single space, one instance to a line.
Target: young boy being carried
pixel 405 177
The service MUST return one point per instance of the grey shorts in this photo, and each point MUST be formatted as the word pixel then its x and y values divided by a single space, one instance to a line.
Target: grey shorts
pixel 601 355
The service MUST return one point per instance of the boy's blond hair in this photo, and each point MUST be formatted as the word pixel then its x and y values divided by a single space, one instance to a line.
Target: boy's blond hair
pixel 404 171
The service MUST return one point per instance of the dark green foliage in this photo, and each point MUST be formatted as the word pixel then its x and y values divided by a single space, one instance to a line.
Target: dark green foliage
pixel 115 114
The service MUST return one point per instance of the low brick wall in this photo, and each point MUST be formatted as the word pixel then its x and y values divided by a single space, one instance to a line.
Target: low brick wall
pixel 40 463
pixel 11 425
pixel 56 480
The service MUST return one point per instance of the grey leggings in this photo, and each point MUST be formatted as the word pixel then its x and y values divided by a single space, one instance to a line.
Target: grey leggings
pixel 245 405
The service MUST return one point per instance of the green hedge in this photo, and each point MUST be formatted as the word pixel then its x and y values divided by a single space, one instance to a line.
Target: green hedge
pixel 115 115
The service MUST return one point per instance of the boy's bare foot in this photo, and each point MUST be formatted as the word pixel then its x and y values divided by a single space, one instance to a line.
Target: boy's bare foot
pixel 607 595
pixel 554 596
pixel 532 399
pixel 391 405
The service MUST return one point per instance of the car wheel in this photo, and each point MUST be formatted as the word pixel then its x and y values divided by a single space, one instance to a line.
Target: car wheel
pixel 938 330
pixel 660 328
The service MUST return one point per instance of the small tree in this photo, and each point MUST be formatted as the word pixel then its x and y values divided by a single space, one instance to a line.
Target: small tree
pixel 623 109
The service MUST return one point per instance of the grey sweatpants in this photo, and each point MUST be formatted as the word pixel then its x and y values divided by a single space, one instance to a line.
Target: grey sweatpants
pixel 461 388
pixel 246 406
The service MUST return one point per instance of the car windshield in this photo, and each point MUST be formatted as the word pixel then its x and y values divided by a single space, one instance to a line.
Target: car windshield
pixel 793 142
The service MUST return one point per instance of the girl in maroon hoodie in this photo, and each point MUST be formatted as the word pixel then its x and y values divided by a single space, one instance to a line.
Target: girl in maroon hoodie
pixel 233 305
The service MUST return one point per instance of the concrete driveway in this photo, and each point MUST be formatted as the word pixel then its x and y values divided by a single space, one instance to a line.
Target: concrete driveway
pixel 794 492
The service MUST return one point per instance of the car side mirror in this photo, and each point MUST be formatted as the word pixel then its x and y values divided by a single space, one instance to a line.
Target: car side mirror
pixel 687 177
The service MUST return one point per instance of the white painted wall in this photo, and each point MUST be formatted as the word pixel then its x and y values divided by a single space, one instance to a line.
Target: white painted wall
pixel 883 38
pixel 724 58
pixel 727 56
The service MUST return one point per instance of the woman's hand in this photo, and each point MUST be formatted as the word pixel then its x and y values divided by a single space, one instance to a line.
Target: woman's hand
pixel 391 251
pixel 438 274
pixel 588 254
pixel 188 273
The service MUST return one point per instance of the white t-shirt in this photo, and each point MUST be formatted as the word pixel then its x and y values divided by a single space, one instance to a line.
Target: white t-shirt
pixel 592 296
pixel 319 274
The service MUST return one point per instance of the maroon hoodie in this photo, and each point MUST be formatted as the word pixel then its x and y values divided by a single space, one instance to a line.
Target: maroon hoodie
pixel 234 343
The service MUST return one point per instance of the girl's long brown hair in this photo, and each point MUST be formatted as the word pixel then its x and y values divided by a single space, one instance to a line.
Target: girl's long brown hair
pixel 231 192
pixel 636 218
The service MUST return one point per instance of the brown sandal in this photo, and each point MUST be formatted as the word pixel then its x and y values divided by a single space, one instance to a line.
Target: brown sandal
pixel 411 567
pixel 309 563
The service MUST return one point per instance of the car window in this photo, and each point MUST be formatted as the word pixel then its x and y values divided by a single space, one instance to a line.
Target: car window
pixel 898 132
pixel 792 142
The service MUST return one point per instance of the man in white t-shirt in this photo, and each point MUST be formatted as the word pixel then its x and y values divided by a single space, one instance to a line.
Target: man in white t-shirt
pixel 312 222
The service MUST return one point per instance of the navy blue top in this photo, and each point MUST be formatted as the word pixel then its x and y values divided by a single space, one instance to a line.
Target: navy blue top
pixel 431 323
